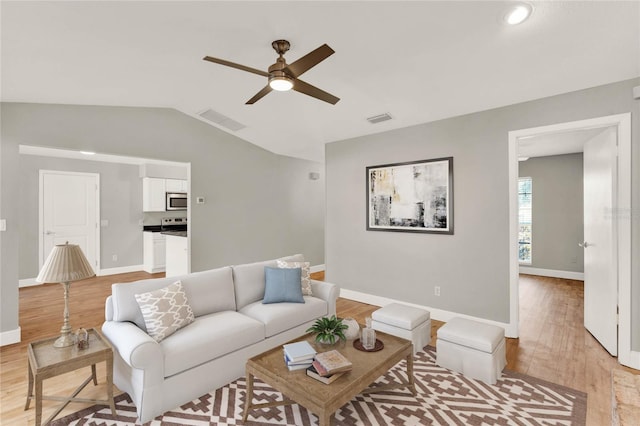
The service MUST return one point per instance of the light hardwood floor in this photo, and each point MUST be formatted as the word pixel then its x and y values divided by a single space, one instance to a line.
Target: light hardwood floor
pixel 553 344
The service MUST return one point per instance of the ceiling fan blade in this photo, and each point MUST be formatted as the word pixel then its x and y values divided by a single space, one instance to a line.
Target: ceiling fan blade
pixel 309 60
pixel 307 89
pixel 259 95
pixel 234 65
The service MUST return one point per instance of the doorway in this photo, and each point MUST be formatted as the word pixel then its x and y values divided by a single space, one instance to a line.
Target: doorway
pixel 622 237
pixel 69 211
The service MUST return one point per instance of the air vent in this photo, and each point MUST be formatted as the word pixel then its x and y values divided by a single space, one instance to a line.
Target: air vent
pixel 222 120
pixel 378 118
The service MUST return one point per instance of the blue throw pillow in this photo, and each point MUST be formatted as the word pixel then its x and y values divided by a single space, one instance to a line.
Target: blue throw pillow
pixel 282 285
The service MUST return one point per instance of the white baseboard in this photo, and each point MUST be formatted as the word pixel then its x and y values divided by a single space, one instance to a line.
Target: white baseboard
pixel 630 359
pixel 120 270
pixel 27 282
pixel 436 314
pixel 316 268
pixel 10 337
pixel 567 275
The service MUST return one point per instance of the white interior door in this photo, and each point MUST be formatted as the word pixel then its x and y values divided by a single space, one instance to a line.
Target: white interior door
pixel 600 257
pixel 69 206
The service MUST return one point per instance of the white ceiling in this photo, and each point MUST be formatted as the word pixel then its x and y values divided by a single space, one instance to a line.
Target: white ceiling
pixel 418 61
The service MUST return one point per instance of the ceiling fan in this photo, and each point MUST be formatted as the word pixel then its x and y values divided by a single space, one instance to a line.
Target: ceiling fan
pixel 283 76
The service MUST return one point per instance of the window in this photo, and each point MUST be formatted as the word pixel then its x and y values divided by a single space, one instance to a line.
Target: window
pixel 524 220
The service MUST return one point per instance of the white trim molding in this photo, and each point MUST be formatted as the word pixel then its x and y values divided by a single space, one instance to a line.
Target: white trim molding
pixel 119 270
pixel 317 268
pixel 10 337
pixel 567 275
pixel 28 282
pixel 436 314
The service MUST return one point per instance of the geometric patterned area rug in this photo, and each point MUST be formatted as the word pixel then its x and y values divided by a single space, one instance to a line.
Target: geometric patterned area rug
pixel 444 398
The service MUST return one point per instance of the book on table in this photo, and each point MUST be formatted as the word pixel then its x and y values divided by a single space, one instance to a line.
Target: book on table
pixel 294 367
pixel 331 362
pixel 298 351
pixel 312 372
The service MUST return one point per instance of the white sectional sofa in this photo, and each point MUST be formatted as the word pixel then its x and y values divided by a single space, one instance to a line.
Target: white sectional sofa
pixel 231 325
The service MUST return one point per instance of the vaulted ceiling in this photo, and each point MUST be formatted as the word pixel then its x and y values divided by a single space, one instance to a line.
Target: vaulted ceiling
pixel 418 61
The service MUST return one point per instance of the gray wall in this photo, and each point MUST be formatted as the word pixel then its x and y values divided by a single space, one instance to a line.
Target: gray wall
pixel 259 205
pixel 120 204
pixel 472 266
pixel 557 224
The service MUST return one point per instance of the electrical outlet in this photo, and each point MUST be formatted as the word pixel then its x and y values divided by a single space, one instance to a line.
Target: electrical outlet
pixel 114 257
pixel 436 290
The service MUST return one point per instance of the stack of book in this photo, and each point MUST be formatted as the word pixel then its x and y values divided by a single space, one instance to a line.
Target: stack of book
pixel 298 355
pixel 328 366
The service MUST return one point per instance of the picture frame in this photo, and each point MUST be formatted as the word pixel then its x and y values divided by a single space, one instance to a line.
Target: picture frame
pixel 414 196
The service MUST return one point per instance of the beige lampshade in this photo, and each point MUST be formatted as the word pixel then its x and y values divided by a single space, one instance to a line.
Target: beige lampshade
pixel 65 263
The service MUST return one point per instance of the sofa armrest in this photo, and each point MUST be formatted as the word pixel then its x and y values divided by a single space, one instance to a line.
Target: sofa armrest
pixel 108 309
pixel 136 348
pixel 328 292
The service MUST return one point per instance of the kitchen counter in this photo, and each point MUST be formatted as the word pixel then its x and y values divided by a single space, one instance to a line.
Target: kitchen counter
pixel 175 233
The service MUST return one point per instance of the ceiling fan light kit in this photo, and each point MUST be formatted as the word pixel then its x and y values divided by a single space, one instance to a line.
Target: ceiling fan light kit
pixel 281 84
pixel 282 76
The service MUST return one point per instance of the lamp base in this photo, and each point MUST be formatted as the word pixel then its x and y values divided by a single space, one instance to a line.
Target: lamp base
pixel 64 341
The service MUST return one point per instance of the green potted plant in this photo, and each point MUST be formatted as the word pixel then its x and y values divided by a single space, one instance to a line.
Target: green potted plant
pixel 328 329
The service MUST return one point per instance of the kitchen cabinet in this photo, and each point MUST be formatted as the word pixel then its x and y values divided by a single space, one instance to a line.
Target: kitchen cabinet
pixel 177 262
pixel 154 255
pixel 153 194
pixel 176 185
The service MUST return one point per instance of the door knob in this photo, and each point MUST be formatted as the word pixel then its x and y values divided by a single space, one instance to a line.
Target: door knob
pixel 584 245
pixel 50 233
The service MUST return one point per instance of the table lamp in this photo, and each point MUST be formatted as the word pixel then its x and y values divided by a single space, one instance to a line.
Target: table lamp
pixel 65 263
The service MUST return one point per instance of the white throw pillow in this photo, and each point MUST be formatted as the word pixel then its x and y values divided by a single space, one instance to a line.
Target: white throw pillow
pixel 305 280
pixel 165 311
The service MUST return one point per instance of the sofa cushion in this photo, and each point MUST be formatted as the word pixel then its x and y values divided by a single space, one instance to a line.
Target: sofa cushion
pixel 208 291
pixel 248 279
pixel 165 310
pixel 282 285
pixel 207 338
pixel 305 276
pixel 279 317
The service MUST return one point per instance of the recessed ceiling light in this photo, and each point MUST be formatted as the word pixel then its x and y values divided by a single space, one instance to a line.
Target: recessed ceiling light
pixel 518 13
pixel 87 153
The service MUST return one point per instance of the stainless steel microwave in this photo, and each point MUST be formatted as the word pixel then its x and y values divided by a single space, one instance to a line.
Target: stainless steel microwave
pixel 176 201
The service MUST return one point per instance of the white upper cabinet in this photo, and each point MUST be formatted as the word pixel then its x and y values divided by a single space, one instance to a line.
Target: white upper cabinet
pixel 176 185
pixel 154 194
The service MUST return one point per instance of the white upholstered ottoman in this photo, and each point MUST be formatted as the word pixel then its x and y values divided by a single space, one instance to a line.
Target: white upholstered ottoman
pixel 405 322
pixel 472 348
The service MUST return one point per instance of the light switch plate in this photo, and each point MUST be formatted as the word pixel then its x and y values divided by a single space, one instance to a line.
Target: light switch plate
pixel 200 200
pixel 3 224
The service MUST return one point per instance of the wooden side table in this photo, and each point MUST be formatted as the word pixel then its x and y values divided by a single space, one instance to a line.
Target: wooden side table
pixel 46 361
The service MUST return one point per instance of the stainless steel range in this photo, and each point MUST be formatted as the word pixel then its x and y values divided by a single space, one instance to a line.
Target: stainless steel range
pixel 173 224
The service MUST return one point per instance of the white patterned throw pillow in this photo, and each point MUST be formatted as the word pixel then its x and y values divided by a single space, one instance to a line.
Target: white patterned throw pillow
pixel 305 281
pixel 165 311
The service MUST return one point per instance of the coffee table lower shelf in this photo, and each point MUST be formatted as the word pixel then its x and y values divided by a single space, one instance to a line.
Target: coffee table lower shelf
pixel 321 399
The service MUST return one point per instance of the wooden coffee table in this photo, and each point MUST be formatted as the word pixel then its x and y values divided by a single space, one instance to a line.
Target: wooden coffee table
pixel 319 398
